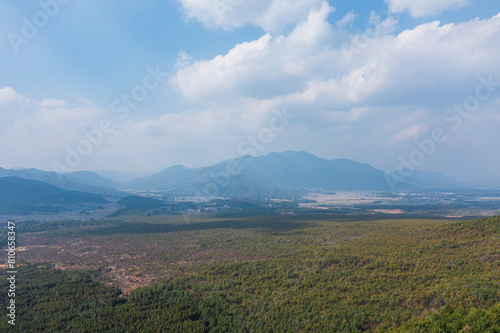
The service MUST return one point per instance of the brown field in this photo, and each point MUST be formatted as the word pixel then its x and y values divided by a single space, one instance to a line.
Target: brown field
pixel 130 260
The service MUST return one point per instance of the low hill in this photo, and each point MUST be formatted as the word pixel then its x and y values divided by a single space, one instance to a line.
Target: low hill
pixel 22 197
pixel 84 181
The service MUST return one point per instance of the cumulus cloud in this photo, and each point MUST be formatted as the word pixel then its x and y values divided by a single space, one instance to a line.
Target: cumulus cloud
pixel 284 63
pixel 9 95
pixel 428 65
pixel 412 132
pixel 422 8
pixel 270 15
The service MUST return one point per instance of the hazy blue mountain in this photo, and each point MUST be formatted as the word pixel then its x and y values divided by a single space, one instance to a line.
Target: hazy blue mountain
pixel 276 175
pixel 92 179
pixel 173 177
pixel 22 196
pixel 121 176
pixel 84 181
pixel 289 174
pixel 432 180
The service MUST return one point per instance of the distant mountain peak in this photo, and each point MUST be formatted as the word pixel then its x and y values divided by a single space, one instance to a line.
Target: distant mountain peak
pixel 292 153
pixel 288 174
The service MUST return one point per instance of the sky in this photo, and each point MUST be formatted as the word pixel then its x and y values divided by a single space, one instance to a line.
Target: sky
pixel 143 85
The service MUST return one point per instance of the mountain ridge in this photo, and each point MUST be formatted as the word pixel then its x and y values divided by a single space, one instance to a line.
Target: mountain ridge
pixel 23 197
pixel 283 175
pixel 84 181
pixel 289 174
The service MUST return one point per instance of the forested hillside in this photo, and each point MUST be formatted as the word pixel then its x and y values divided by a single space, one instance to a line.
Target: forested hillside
pixel 324 275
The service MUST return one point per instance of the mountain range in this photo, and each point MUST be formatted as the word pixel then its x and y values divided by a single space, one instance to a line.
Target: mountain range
pixel 284 175
pixel 280 175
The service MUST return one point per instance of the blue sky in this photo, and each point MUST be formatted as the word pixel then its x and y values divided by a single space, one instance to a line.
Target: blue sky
pixel 366 80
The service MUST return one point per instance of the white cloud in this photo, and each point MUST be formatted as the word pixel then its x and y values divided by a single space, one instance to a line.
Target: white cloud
pixel 53 103
pixel 9 95
pixel 33 134
pixel 271 15
pixel 183 60
pixel 412 132
pixel 284 63
pixel 427 65
pixel 346 20
pixel 420 8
